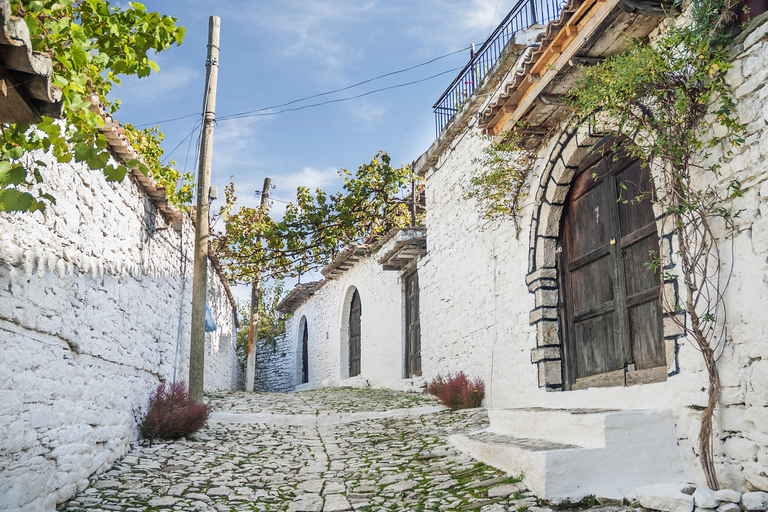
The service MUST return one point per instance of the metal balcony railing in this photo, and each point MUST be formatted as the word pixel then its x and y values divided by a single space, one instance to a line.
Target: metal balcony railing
pixel 522 16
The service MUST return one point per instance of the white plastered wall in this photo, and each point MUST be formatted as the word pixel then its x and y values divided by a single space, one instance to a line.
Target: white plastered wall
pixel 91 297
pixel 327 318
pixel 475 304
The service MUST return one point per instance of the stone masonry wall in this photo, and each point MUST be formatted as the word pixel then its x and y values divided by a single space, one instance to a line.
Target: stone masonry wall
pixel 478 315
pixel 95 293
pixel 275 366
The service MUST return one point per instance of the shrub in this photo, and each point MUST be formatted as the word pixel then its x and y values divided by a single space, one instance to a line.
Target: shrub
pixel 172 413
pixel 458 392
pixel 435 386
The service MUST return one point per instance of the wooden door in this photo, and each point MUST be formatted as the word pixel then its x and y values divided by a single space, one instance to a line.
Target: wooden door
pixel 412 327
pixel 354 335
pixel 305 355
pixel 610 310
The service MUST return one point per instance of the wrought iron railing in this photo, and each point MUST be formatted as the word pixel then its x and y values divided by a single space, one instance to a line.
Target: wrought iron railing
pixel 522 16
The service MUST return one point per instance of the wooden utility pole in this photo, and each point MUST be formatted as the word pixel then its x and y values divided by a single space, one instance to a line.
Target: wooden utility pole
pixel 200 279
pixel 250 362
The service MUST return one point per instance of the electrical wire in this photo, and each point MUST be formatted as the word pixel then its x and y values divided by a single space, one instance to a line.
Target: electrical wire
pixel 338 100
pixel 232 121
pixel 349 86
pixel 167 120
pixel 316 95
pixel 180 143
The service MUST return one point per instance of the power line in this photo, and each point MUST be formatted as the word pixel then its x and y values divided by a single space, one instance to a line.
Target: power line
pixel 294 109
pixel 231 121
pixel 353 85
pixel 168 120
pixel 314 95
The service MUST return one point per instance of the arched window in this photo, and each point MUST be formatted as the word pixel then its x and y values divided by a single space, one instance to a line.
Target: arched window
pixel 354 335
pixel 610 315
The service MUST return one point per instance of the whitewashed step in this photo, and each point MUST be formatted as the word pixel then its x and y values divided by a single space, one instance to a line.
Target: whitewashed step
pixel 572 453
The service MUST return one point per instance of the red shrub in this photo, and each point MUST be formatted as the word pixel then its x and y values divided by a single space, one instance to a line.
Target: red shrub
pixel 435 386
pixel 458 392
pixel 172 413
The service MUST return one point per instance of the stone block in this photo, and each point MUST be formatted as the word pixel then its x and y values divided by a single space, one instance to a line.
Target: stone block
pixel 729 507
pixel 728 496
pixel 665 497
pixel 757 500
pixel 550 374
pixel 704 497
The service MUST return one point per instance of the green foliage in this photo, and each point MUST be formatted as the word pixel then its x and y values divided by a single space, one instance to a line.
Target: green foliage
pixel 271 324
pixel 178 186
pixel 314 228
pixel 498 186
pixel 91 45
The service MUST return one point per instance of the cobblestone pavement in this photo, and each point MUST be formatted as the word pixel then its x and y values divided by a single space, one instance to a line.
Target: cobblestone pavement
pixel 390 463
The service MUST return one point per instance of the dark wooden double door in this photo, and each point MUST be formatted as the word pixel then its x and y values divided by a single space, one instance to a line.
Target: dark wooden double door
pixel 355 312
pixel 305 355
pixel 611 318
pixel 412 327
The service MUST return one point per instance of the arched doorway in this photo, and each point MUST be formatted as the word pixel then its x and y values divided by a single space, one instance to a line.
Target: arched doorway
pixel 610 313
pixel 597 303
pixel 305 355
pixel 355 311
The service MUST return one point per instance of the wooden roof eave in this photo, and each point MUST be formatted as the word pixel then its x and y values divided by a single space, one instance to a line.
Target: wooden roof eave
pixel 298 296
pixel 535 95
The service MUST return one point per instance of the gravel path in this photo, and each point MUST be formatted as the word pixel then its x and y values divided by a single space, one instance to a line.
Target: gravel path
pixel 328 452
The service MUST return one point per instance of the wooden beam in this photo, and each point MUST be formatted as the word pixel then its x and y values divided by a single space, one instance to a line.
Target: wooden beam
pixel 602 10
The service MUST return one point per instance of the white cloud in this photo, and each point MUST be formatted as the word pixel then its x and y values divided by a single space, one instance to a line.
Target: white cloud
pixel 157 87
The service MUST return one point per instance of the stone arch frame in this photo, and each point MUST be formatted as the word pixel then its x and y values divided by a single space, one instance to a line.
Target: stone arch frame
pixel 344 333
pixel 298 351
pixel 567 152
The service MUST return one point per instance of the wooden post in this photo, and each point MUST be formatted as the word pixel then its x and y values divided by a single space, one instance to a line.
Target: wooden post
pixel 250 362
pixel 200 278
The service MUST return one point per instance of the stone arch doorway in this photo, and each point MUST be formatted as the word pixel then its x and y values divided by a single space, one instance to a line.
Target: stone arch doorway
pixel 304 352
pixel 350 355
pixel 597 315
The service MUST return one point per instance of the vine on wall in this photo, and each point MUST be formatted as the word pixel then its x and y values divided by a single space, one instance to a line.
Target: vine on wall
pixel 657 96
pixel 499 184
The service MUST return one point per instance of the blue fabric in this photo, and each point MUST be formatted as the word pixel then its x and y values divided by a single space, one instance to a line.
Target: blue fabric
pixel 210 325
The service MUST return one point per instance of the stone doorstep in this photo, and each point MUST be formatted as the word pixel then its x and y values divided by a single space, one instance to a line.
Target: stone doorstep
pixel 571 454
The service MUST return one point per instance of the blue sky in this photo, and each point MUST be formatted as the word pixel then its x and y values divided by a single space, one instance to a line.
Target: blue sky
pixel 274 52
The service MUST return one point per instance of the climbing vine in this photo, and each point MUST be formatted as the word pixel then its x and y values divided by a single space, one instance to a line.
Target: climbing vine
pixel 178 186
pixel 91 44
pixel 670 104
pixel 504 167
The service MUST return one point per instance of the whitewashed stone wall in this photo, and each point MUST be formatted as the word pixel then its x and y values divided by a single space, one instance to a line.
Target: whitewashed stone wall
pixel 382 330
pixel 276 366
pixel 91 292
pixel 475 304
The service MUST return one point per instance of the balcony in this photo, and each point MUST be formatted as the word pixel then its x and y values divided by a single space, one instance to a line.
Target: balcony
pixel 525 14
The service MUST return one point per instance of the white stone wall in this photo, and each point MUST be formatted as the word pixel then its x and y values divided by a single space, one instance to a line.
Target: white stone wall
pixel 276 366
pixel 475 304
pixel 382 325
pixel 90 300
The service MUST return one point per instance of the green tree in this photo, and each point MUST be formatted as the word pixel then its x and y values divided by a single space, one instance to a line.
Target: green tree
pixel 271 325
pixel 91 45
pixel 314 228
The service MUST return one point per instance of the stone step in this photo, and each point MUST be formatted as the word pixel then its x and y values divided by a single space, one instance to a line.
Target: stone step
pixel 573 453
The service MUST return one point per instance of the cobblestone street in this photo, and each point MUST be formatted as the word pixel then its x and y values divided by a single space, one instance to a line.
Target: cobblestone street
pixel 323 450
